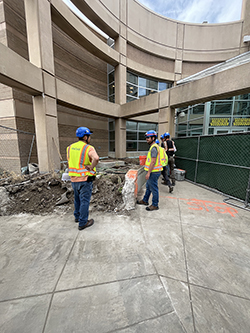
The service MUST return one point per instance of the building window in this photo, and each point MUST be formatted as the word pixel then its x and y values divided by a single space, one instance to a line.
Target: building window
pixel 135 135
pixel 111 84
pixel 219 116
pixel 138 86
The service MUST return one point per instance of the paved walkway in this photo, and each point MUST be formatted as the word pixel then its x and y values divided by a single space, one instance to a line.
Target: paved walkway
pixel 183 268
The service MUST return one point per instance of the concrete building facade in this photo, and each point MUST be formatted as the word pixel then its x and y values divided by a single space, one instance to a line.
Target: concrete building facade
pixel 54 71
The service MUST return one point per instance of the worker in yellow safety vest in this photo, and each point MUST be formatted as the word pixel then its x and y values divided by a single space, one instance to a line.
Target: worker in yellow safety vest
pixel 153 166
pixel 82 160
pixel 164 161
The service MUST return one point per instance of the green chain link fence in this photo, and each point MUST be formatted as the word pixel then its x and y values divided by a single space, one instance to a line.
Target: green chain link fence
pixel 221 162
pixel 16 147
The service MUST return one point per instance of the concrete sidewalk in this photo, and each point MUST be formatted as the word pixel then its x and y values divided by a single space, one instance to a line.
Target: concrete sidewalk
pixel 183 268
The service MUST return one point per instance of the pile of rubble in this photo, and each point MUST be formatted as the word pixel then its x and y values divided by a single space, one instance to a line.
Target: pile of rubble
pixel 46 193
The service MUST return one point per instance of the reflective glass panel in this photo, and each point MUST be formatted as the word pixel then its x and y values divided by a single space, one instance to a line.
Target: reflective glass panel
pixel 111 125
pixel 111 146
pixel 131 125
pixel 132 90
pixel 131 135
pixel 142 92
pixel 111 89
pixel 132 78
pixel 112 135
pixel 152 84
pixel 111 77
pixel 198 109
pixel 218 107
pixel 242 108
pixel 142 82
pixel 143 146
pixel 131 146
pixel 112 98
pixel 147 127
pixel 162 86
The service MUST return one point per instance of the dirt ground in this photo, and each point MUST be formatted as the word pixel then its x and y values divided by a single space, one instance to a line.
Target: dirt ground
pixel 41 194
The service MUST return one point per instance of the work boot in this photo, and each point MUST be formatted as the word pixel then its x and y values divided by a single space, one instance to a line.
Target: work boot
pixel 171 189
pixel 173 183
pixel 76 220
pixel 164 182
pixel 151 207
pixel 88 224
pixel 142 202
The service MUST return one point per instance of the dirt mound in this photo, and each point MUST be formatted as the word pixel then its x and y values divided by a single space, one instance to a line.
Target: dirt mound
pixel 40 194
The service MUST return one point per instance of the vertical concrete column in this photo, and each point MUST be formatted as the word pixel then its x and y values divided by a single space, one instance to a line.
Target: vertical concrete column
pixel 120 138
pixel 166 121
pixel 45 116
pixel 179 52
pixel 40 46
pixel 120 80
pixel 245 16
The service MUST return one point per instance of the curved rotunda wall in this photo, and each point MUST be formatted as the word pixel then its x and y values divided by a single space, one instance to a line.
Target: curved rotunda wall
pixel 158 36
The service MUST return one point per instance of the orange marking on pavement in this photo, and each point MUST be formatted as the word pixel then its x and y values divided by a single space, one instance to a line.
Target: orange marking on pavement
pixel 219 207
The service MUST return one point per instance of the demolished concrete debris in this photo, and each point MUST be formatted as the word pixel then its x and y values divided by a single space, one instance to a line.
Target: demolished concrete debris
pixel 46 193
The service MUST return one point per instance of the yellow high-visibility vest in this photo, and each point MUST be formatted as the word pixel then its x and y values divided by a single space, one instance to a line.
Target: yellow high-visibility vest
pixel 164 157
pixel 158 165
pixel 77 156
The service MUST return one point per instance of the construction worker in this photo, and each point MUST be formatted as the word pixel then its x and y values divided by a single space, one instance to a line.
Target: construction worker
pixel 153 167
pixel 82 160
pixel 164 163
pixel 170 150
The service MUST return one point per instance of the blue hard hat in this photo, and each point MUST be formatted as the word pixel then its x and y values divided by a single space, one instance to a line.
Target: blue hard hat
pixel 166 134
pixel 157 141
pixel 162 136
pixel 81 131
pixel 150 133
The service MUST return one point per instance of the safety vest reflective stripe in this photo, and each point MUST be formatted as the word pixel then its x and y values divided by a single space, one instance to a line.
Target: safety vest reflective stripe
pixel 157 166
pixel 79 159
pixel 83 153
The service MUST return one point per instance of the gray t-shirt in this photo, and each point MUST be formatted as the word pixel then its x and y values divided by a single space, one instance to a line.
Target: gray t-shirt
pixel 154 152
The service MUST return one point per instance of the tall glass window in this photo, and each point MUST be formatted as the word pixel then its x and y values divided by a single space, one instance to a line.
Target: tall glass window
pixel 111 84
pixel 138 86
pixel 136 135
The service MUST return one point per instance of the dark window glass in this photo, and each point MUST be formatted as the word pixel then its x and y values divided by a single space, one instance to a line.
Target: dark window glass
pixel 218 107
pixel 112 98
pixel 131 146
pixel 111 77
pixel 112 135
pixel 111 146
pixel 242 108
pixel 132 90
pixel 147 127
pixel 198 109
pixel 111 89
pixel 111 125
pixel 152 84
pixel 143 146
pixel 132 78
pixel 131 135
pixel 210 131
pixel 142 136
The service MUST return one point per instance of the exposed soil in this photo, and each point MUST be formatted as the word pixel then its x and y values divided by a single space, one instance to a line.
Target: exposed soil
pixel 40 194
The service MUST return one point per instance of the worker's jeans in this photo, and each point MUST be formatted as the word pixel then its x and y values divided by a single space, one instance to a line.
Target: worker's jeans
pixel 82 194
pixel 152 187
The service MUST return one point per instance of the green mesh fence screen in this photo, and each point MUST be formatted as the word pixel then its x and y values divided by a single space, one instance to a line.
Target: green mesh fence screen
pixel 221 162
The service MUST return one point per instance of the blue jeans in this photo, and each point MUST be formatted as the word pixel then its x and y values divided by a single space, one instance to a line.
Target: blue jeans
pixel 82 195
pixel 152 187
